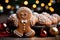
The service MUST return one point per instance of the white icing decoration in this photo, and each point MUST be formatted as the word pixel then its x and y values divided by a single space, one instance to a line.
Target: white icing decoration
pixel 23 21
pixel 29 33
pixel 18 33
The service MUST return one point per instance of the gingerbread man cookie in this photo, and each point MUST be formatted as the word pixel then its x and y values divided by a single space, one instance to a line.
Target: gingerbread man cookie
pixel 24 15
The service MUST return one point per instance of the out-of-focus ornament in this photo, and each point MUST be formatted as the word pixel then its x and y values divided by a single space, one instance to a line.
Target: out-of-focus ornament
pixel 38 8
pixel 43 33
pixel 58 26
pixel 3 31
pixel 1 26
pixel 5 34
pixel 54 31
pixel 4 24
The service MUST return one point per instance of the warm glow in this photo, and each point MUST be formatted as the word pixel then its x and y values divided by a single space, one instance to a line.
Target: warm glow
pixel 37 2
pixel 8 6
pixel 42 4
pixel 12 7
pixel 51 1
pixel 51 9
pixel 49 4
pixel 1 7
pixel 46 7
pixel 34 6
pixel 25 2
pixel 6 1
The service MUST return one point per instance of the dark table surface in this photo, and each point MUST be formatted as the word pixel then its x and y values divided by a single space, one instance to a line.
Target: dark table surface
pixel 57 37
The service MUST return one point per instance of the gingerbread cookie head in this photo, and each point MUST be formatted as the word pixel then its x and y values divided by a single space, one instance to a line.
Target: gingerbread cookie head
pixel 24 13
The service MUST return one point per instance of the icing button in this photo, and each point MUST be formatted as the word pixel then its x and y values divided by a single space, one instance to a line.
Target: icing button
pixel 24 28
pixel 24 24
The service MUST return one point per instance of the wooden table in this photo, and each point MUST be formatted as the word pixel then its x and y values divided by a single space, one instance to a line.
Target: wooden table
pixel 33 38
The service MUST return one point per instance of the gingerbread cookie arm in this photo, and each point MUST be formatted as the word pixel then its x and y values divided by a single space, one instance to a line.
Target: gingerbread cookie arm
pixel 14 19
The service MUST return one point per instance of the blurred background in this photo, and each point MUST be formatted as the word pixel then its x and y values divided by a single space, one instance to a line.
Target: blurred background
pixel 8 7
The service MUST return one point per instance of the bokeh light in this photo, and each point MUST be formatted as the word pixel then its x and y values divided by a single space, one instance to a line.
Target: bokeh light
pixel 34 5
pixel 17 6
pixel 42 4
pixel 25 2
pixel 38 8
pixel 1 7
pixel 8 6
pixel 37 1
pixel 51 9
pixel 46 7
pixel 49 4
pixel 6 1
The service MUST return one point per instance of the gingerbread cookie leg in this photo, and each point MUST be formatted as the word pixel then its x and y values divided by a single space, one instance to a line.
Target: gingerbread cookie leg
pixel 18 33
pixel 30 34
